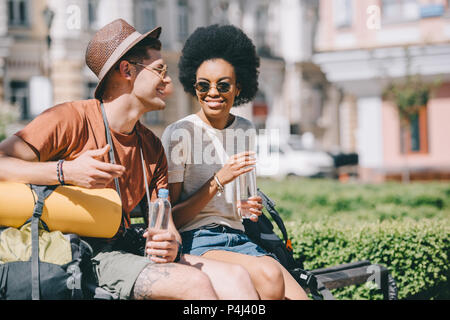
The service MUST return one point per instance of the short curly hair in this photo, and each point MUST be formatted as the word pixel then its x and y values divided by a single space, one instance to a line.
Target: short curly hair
pixel 226 42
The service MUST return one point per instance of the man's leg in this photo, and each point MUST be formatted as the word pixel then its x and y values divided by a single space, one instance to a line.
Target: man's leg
pixel 134 277
pixel 230 281
pixel 172 281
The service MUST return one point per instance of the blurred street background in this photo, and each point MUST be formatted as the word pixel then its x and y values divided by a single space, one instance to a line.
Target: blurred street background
pixel 357 91
pixel 336 75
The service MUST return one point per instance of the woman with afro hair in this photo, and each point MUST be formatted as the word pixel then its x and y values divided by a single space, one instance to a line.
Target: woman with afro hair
pixel 207 151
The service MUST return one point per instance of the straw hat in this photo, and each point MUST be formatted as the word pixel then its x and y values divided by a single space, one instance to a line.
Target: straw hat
pixel 111 43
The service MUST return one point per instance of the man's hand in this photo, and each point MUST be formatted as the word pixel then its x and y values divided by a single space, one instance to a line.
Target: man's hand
pixel 88 172
pixel 161 245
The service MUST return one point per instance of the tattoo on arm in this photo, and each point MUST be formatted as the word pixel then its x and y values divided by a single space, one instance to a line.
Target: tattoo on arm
pixel 150 275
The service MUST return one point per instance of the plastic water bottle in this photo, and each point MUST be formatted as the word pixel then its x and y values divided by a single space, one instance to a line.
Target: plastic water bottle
pixel 159 213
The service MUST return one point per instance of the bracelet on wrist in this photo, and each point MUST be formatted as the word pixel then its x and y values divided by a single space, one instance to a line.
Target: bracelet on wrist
pixel 179 253
pixel 59 172
pixel 219 185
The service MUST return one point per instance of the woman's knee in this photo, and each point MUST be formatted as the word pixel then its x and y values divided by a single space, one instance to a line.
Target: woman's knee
pixel 272 276
pixel 239 278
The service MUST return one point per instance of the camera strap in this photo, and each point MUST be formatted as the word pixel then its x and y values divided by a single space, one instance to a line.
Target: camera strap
pixel 113 160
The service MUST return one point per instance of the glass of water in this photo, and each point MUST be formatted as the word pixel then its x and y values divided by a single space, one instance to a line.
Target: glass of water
pixel 247 189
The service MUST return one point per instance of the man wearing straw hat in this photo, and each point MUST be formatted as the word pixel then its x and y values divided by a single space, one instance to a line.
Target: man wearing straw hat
pixel 70 144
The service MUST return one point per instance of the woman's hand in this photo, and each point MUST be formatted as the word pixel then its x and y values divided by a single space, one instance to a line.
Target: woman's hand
pixel 161 245
pixel 235 166
pixel 253 206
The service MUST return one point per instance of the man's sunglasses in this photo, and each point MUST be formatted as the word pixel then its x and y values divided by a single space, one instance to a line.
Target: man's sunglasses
pixel 161 72
pixel 204 86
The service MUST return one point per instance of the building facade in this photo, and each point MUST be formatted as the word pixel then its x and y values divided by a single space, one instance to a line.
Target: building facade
pixel 363 47
pixel 294 97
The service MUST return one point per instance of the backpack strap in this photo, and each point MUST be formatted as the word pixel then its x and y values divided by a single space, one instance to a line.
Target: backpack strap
pixel 112 158
pixel 322 290
pixel 111 146
pixel 270 207
pixel 42 193
pixel 3 279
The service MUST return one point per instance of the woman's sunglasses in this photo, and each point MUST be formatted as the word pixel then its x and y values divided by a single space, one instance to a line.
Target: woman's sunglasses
pixel 204 86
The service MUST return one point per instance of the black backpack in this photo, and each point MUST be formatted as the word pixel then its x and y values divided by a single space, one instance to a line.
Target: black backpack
pixel 35 279
pixel 262 234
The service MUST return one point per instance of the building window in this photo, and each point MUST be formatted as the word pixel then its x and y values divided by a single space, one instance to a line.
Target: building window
pixel 432 8
pixel 90 89
pixel 260 111
pixel 414 133
pixel 343 14
pixel 92 14
pixel 19 95
pixel 145 13
pixel 154 117
pixel 400 10
pixel 18 13
pixel 261 25
pixel 183 20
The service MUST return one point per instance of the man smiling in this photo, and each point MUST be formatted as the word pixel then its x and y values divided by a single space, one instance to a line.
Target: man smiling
pixel 70 144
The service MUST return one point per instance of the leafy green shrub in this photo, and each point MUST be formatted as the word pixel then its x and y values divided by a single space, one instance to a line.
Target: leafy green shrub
pixel 404 227
pixel 313 200
pixel 415 253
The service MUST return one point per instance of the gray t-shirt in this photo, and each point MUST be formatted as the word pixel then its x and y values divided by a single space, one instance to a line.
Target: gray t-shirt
pixel 195 151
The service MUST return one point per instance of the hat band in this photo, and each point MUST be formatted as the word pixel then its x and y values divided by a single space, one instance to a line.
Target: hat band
pixel 117 53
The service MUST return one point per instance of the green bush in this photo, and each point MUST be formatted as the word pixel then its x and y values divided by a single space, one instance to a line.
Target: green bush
pixel 415 253
pixel 404 227
pixel 314 200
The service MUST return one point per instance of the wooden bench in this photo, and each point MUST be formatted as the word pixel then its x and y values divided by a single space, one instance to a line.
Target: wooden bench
pixel 356 273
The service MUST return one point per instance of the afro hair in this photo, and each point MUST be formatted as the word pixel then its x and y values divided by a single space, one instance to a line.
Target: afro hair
pixel 226 42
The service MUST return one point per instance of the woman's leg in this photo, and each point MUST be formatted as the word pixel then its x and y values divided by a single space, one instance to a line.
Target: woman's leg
pixel 265 272
pixel 293 291
pixel 230 281
pixel 271 279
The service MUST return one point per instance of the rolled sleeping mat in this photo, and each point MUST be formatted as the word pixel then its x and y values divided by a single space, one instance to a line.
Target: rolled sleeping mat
pixel 69 209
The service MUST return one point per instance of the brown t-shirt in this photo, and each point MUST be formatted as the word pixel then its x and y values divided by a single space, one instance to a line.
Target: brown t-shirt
pixel 67 130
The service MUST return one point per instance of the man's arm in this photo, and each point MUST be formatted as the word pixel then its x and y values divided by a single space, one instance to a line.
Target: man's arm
pixel 19 163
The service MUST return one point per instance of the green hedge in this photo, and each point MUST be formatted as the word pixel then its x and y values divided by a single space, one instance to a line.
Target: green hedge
pixel 415 253
pixel 313 200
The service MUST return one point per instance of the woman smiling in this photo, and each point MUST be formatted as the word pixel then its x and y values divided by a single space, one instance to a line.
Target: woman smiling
pixel 208 150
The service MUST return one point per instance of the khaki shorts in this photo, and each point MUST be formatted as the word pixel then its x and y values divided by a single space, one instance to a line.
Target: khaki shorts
pixel 117 271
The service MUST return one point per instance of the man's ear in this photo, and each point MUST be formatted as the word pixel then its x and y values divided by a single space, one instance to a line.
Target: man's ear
pixel 125 69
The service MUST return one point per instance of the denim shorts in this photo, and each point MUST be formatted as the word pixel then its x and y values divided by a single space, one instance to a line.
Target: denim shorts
pixel 215 237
